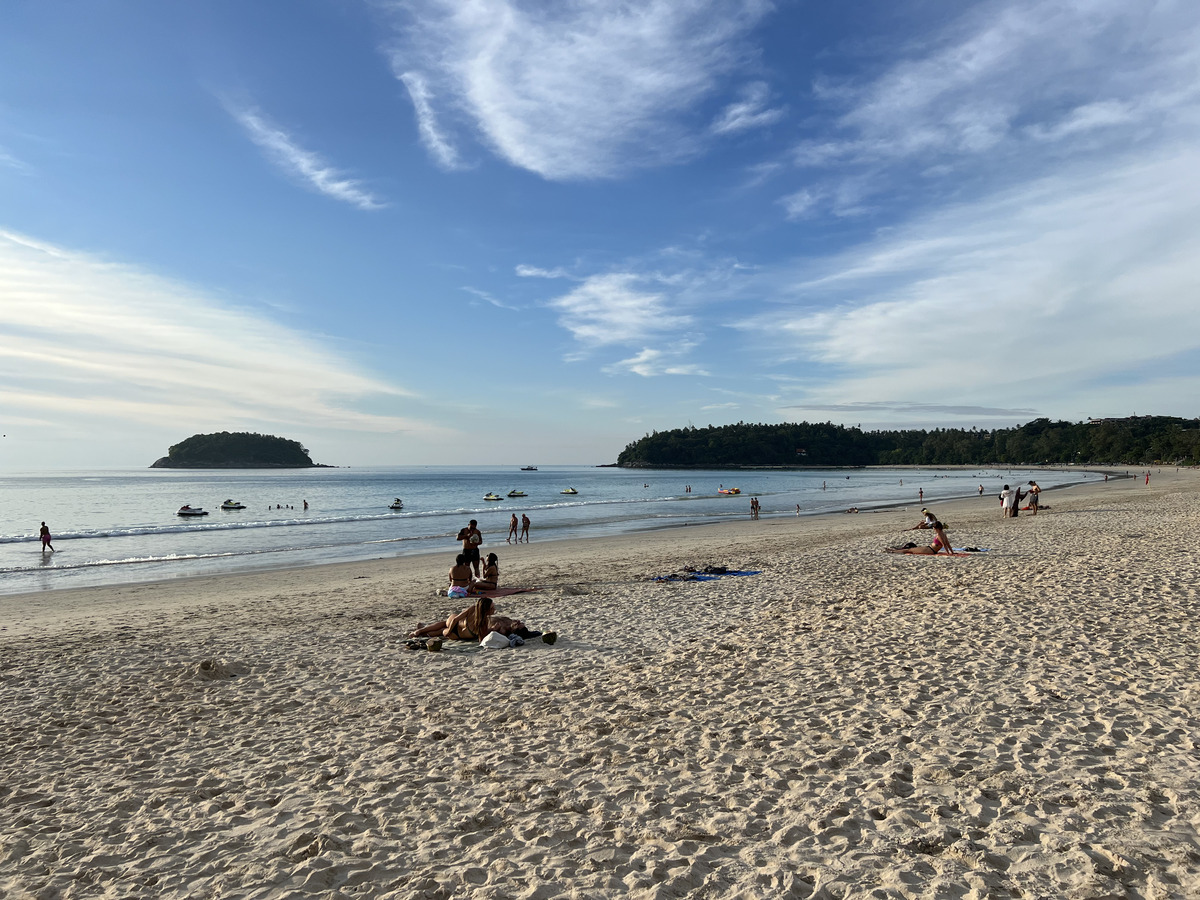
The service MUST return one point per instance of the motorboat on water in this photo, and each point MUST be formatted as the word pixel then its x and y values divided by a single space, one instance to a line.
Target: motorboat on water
pixel 396 504
pixel 729 491
pixel 528 468
pixel 233 504
pixel 517 494
pixel 568 491
pixel 186 510
pixel 490 496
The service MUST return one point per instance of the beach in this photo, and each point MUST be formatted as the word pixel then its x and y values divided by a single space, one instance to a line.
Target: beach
pixel 1020 722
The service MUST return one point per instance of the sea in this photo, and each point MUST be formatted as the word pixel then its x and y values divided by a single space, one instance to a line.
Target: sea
pixel 121 526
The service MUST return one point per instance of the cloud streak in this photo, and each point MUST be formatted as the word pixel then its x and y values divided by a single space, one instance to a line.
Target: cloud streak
pixel 1033 297
pixel 112 343
pixel 307 167
pixel 615 309
pixel 579 90
pixel 750 111
pixel 999 91
pixel 443 151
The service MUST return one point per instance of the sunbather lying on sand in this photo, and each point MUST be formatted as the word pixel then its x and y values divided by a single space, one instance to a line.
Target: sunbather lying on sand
pixel 940 543
pixel 469 625
pixel 507 626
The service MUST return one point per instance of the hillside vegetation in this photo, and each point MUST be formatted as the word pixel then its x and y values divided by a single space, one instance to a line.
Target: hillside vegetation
pixel 236 450
pixel 1133 441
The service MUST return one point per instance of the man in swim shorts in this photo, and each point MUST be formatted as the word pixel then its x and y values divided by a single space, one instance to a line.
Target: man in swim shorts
pixel 472 537
pixel 1032 495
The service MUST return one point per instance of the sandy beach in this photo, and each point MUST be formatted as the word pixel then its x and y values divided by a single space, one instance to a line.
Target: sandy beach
pixel 1016 723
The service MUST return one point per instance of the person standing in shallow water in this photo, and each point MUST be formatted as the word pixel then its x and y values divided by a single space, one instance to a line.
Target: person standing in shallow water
pixel 44 533
pixel 524 529
pixel 512 530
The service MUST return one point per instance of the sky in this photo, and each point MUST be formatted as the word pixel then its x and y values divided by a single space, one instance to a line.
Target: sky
pixel 493 232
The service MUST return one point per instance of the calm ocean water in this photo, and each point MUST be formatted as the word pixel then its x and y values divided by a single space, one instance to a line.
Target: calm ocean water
pixel 119 526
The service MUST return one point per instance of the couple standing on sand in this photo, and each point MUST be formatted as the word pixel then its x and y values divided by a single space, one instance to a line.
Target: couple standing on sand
pixel 1010 499
pixel 512 529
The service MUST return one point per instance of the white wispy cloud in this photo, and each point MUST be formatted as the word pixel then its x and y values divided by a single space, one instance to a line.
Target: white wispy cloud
pixel 617 309
pixel 749 111
pixel 651 362
pixel 1075 292
pixel 573 90
pixel 801 203
pixel 524 271
pixel 1082 119
pixel 488 298
pixel 1009 86
pixel 86 340
pixel 282 150
pixel 436 141
pixel 11 162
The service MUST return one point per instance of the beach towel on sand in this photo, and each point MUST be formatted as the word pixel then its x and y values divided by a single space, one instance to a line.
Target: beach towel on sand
pixel 705 576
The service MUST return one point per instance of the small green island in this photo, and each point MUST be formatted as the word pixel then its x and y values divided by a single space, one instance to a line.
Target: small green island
pixel 236 450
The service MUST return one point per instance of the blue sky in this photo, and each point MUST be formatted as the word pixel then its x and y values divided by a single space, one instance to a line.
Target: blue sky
pixel 508 232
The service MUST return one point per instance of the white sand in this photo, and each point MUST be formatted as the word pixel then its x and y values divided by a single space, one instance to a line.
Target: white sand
pixel 1020 723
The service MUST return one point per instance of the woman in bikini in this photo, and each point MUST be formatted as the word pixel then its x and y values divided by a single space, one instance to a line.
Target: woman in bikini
pixel 472 624
pixel 940 543
pixel 490 577
pixel 460 572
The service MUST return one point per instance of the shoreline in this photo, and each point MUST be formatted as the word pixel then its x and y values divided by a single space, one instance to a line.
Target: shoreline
pixel 634 535
pixel 1019 722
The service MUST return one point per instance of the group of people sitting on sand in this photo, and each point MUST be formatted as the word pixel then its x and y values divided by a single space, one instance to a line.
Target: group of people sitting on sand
pixel 466 579
pixel 461 576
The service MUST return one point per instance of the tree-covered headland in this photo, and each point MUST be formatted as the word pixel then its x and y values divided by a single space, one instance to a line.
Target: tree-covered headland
pixel 1139 440
pixel 236 450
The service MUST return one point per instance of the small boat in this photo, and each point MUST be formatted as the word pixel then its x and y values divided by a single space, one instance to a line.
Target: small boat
pixel 186 510
pixel 232 504
pixel 490 496
pixel 396 504
pixel 528 468
pixel 568 491
pixel 729 491
pixel 517 494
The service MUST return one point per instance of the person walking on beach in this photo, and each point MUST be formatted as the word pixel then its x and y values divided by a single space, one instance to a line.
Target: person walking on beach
pixel 524 528
pixel 45 536
pixel 512 530
pixel 472 537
